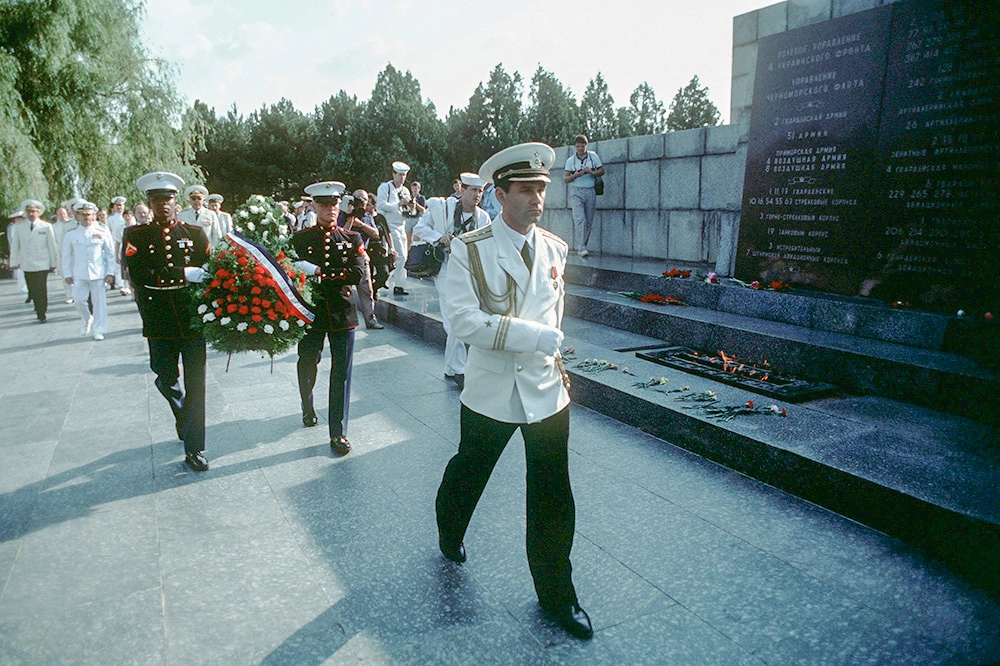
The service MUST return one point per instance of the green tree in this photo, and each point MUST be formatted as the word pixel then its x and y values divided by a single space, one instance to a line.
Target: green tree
pixel 649 113
pixel 597 111
pixel 553 117
pixel 492 120
pixel 692 108
pixel 97 110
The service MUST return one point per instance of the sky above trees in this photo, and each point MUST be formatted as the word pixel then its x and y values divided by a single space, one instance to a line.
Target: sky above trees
pixel 255 52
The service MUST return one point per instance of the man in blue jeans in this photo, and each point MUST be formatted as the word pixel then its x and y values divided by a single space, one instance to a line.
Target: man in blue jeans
pixel 582 169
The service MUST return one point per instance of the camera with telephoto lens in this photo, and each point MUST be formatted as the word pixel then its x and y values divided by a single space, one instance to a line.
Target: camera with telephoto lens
pixel 353 205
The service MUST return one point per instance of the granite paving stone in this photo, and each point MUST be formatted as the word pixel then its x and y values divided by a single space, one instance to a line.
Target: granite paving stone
pixel 113 551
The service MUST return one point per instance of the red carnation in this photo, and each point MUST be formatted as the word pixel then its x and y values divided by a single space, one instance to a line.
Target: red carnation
pixel 244 310
pixel 256 317
pixel 242 261
pixel 231 308
pixel 252 330
pixel 255 290
pixel 258 269
pixel 272 315
pixel 218 311
pixel 265 303
pixel 214 283
pixel 255 309
pixel 255 300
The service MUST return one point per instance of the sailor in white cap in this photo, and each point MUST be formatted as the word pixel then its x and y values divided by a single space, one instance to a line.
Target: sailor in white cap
pixel 161 260
pixel 33 250
pixel 116 225
pixel 306 216
pixel 65 222
pixel 334 258
pixel 505 298
pixel 88 263
pixel 446 218
pixel 13 220
pixel 392 200
pixel 214 204
pixel 198 215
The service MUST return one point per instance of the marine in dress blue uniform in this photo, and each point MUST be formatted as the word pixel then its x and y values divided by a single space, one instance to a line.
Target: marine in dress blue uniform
pixel 505 299
pixel 162 259
pixel 334 258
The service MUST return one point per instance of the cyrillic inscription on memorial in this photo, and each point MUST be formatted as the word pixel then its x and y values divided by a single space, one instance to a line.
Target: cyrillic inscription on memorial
pixel 872 160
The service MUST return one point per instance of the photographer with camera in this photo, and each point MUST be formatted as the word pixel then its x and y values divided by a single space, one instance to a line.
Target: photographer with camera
pixel 445 219
pixel 354 216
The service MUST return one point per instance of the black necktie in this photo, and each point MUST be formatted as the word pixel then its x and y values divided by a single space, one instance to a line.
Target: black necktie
pixel 526 255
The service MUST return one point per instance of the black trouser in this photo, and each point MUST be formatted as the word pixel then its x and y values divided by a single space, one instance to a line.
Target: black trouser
pixel 341 362
pixel 188 406
pixel 550 509
pixel 38 290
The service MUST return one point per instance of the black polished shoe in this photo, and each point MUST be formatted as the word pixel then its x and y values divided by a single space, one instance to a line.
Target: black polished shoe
pixel 572 618
pixel 41 319
pixel 196 461
pixel 373 323
pixel 454 553
pixel 399 291
pixel 340 445
pixel 458 379
pixel 309 419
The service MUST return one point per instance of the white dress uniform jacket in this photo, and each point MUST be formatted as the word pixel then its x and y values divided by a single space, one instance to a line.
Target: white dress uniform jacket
pixel 206 219
pixel 506 379
pixel 225 223
pixel 32 249
pixel 88 254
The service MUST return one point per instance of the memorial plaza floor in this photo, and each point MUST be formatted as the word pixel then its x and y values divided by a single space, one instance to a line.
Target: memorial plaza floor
pixel 113 552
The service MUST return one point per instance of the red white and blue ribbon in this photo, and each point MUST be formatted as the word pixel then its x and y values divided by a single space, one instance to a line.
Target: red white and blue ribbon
pixel 287 292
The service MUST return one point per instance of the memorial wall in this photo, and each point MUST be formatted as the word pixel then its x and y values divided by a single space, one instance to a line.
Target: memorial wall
pixel 872 163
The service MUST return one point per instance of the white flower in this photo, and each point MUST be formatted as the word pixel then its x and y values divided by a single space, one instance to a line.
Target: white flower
pixel 283 324
pixel 259 197
pixel 263 237
pixel 283 229
pixel 774 409
pixel 217 302
pixel 300 323
pixel 255 210
pixel 209 317
pixel 242 326
pixel 251 226
pixel 268 329
pixel 202 308
pixel 244 214
pixel 225 321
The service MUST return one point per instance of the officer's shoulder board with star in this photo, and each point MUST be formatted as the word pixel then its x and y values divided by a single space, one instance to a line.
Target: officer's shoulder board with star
pixel 477 234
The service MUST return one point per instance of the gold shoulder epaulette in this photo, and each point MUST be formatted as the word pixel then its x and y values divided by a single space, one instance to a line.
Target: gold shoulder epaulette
pixel 549 234
pixel 477 234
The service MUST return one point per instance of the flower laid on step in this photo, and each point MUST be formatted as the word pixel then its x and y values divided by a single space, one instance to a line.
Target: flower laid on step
pixel 650 297
pixel 774 285
pixel 595 365
pixel 711 409
pixel 779 285
pixel 653 383
pixel 712 278
pixel 568 353
pixel 677 273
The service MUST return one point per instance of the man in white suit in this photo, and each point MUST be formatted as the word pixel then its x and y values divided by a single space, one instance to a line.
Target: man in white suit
pixel 199 215
pixel 33 250
pixel 444 219
pixel 88 262
pixel 225 219
pixel 505 298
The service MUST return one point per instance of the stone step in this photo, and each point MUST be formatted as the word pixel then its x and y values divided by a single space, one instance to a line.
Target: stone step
pixel 924 476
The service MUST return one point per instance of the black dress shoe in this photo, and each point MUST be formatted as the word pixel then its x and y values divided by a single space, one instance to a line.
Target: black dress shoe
pixel 399 291
pixel 373 323
pixel 196 461
pixel 41 319
pixel 458 379
pixel 340 445
pixel 453 553
pixel 309 420
pixel 572 618
pixel 28 299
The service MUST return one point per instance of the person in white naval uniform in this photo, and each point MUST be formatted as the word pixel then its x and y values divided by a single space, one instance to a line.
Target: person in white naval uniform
pixel 200 216
pixel 444 219
pixel 116 225
pixel 392 197
pixel 214 204
pixel 33 250
pixel 506 292
pixel 88 258
pixel 14 219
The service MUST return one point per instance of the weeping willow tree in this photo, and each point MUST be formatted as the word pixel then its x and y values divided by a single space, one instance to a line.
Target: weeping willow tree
pixel 84 110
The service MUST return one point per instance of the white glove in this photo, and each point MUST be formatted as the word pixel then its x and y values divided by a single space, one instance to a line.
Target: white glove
pixel 194 274
pixel 549 339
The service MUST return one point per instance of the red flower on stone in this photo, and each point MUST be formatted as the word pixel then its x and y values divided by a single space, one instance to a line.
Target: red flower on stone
pixel 750 404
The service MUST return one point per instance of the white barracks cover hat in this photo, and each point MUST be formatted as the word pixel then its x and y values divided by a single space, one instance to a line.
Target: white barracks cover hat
pixel 160 182
pixel 327 191
pixel 524 162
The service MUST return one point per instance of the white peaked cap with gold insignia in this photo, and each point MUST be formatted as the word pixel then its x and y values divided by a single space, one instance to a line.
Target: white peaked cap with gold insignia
pixel 325 191
pixel 215 197
pixel 119 200
pixel 85 207
pixel 32 203
pixel 472 180
pixel 160 182
pixel 196 189
pixel 524 162
pixel 401 167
